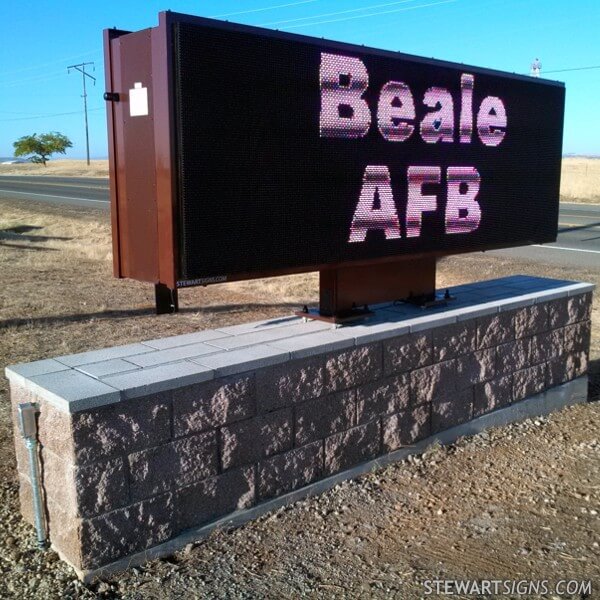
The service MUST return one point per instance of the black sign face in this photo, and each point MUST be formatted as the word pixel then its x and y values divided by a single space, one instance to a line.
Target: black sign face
pixel 295 153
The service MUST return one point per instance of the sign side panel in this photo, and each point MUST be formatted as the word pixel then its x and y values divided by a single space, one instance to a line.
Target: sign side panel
pixel 109 65
pixel 134 150
pixel 165 159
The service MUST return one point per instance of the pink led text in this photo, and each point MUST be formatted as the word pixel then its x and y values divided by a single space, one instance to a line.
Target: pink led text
pixel 346 114
pixel 376 207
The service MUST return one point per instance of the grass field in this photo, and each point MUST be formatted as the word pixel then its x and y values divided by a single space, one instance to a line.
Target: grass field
pixel 580 180
pixel 59 168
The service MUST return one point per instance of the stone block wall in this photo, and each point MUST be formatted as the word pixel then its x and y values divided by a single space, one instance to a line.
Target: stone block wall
pixel 125 476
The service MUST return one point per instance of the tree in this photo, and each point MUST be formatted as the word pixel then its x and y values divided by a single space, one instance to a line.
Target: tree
pixel 42 146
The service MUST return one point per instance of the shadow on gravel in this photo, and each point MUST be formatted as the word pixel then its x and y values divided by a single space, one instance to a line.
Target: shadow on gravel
pixel 139 312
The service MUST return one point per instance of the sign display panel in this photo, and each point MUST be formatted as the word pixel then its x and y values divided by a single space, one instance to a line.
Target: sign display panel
pixel 295 153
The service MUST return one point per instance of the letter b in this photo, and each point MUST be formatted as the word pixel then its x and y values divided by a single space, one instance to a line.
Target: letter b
pixel 344 113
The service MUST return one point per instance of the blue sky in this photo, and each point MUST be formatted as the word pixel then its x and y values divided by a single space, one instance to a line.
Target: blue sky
pixel 39 39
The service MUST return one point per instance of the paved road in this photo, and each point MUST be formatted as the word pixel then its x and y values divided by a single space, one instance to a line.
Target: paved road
pixel 578 241
pixel 76 191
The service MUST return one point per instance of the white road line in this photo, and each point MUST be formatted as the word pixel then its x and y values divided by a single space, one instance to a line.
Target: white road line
pixel 569 249
pixel 51 196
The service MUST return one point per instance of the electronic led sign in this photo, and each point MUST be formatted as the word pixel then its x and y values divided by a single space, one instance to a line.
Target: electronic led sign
pixel 290 153
pixel 295 152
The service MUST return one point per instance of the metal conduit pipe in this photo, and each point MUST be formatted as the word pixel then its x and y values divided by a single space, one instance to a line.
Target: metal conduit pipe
pixel 28 426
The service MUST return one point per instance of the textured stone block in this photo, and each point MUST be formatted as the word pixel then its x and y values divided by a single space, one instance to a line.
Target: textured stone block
pixel 566 368
pixel 84 491
pixel 406 427
pixel 492 394
pixel 353 367
pixel 528 382
pixel 547 345
pixel 64 532
pixel 121 428
pixel 18 395
pixel 55 430
pixel 476 367
pixel 512 356
pixel 388 396
pixel 248 441
pixel 577 337
pixel 349 448
pixel 127 530
pixel 294 469
pixel 101 487
pixel 531 320
pixel 558 313
pixel 57 477
pixel 26 499
pixel 454 340
pixel 212 404
pixel 196 458
pixel 152 471
pixel 209 499
pixel 287 384
pixel 495 329
pixel 324 416
pixel 436 380
pixel 579 308
pixel 452 410
pixel 407 352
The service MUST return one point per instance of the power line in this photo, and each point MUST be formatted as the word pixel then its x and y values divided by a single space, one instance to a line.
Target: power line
pixel 573 69
pixel 340 12
pixel 74 112
pixel 253 10
pixel 34 79
pixel 383 12
pixel 52 62
pixel 81 68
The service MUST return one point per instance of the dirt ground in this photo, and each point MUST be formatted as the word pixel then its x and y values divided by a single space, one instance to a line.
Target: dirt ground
pixel 580 178
pixel 520 502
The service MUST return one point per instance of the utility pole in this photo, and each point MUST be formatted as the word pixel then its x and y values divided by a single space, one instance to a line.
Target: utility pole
pixel 81 68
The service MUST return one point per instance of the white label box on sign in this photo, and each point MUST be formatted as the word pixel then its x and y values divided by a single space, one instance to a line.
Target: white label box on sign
pixel 138 101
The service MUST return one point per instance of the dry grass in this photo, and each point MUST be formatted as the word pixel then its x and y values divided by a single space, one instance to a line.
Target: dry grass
pixel 580 180
pixel 59 168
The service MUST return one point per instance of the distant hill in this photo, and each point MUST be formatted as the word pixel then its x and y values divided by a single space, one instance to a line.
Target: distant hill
pixel 12 159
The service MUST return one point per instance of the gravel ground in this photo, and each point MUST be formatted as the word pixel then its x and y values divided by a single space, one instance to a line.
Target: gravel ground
pixel 518 502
